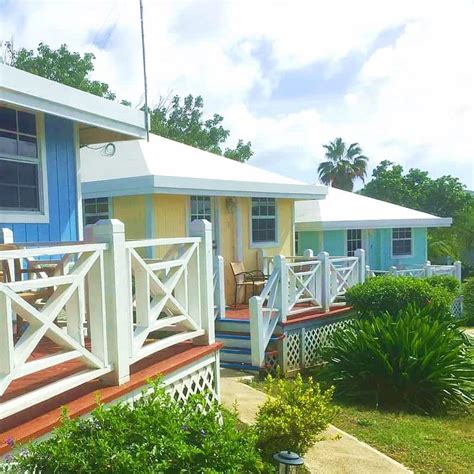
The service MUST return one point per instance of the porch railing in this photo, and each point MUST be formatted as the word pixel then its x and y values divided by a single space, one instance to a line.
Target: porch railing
pixel 422 271
pixel 105 310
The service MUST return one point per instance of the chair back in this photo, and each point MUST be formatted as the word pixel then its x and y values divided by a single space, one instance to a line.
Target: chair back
pixel 238 271
pixel 10 268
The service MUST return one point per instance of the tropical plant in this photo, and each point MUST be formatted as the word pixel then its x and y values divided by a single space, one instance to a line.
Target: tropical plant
pixel 448 282
pixel 294 415
pixel 393 293
pixel 343 166
pixel 468 293
pixel 419 360
pixel 154 435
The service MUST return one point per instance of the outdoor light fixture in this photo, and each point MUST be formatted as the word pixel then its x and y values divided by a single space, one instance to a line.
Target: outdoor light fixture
pixel 288 461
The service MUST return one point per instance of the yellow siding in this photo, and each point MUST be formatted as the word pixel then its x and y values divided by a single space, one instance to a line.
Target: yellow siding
pixel 131 211
pixel 170 215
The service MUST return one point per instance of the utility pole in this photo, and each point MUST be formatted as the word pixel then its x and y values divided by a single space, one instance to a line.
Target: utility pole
pixel 144 72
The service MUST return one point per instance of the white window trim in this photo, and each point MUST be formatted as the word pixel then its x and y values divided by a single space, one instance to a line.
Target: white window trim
pixel 85 215
pixel 269 244
pixel 215 219
pixel 397 257
pixel 346 247
pixel 41 216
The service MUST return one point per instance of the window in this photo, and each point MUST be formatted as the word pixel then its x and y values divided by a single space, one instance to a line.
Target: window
pixel 96 209
pixel 401 242
pixel 201 208
pixel 263 220
pixel 19 161
pixel 354 241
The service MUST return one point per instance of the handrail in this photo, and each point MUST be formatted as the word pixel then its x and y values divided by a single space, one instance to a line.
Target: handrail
pixel 161 242
pixel 51 250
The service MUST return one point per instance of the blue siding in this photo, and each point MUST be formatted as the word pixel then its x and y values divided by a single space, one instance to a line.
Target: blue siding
pixel 62 188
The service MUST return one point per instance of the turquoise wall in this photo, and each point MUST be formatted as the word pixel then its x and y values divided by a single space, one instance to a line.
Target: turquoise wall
pixel 379 246
pixel 62 189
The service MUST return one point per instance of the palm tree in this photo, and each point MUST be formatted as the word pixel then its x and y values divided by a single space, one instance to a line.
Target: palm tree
pixel 343 166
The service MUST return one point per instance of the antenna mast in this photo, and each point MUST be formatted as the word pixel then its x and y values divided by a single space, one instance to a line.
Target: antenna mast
pixel 144 72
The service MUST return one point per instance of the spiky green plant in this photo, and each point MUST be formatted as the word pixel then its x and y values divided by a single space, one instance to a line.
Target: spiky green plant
pixel 418 360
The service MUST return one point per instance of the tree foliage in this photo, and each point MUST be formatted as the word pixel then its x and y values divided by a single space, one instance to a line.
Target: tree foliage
pixel 182 120
pixel 61 65
pixel 343 166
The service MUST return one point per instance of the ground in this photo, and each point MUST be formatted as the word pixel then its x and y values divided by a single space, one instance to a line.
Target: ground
pixel 424 444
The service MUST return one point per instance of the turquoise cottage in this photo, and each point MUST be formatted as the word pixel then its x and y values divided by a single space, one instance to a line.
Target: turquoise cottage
pixel 391 235
pixel 43 125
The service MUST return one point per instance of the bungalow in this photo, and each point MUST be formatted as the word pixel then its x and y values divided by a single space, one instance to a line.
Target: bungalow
pixel 158 188
pixel 391 235
pixel 81 316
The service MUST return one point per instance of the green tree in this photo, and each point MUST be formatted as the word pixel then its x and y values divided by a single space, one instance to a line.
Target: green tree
pixel 182 121
pixel 61 65
pixel 343 166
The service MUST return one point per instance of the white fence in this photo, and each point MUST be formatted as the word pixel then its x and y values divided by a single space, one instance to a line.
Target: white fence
pixel 421 271
pixel 301 285
pixel 107 308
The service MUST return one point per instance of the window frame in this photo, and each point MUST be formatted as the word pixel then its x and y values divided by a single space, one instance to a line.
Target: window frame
pixel 269 243
pixel 347 241
pixel 41 216
pixel 86 214
pixel 392 238
pixel 211 208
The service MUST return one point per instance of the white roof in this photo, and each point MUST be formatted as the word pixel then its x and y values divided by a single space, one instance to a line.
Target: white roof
pixel 345 210
pixel 169 167
pixel 99 119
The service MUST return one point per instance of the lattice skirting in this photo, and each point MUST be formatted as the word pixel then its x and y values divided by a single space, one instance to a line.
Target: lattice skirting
pixel 457 308
pixel 302 345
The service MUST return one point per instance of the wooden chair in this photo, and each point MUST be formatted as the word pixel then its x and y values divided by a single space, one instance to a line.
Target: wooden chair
pixel 254 279
pixel 34 297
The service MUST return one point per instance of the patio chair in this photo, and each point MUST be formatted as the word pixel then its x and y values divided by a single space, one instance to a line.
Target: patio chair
pixel 34 297
pixel 254 279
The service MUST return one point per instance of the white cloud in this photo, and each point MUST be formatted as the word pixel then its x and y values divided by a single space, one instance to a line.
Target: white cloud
pixel 411 102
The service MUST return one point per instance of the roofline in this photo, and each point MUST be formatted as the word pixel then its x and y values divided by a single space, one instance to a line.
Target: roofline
pixel 198 186
pixel 27 90
pixel 374 224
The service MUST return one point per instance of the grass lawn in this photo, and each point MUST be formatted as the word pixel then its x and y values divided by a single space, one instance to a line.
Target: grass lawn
pixel 423 444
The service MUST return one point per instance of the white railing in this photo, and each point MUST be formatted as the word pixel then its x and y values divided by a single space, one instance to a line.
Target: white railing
pixel 67 309
pixel 219 287
pixel 304 285
pixel 106 309
pixel 423 271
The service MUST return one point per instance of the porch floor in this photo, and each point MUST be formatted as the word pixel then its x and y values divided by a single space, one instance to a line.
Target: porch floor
pixel 40 419
pixel 242 312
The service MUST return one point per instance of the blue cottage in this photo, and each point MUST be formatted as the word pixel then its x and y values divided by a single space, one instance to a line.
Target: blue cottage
pixel 43 125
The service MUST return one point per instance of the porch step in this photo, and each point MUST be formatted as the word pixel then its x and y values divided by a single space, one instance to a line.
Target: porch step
pixel 238 341
pixel 239 355
pixel 238 366
pixel 232 325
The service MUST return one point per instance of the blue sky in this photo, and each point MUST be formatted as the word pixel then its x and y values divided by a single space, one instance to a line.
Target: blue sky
pixel 289 75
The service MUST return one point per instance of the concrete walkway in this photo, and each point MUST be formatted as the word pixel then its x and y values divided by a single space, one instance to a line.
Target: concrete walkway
pixel 342 455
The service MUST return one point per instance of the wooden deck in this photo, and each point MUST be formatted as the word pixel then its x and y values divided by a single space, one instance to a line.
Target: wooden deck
pixel 42 418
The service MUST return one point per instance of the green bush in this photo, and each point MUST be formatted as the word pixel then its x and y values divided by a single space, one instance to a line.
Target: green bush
pixel 418 359
pixel 294 415
pixel 155 435
pixel 468 293
pixel 450 283
pixel 394 293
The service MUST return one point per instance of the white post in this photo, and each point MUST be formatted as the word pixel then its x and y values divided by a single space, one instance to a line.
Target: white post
pixel 279 265
pixel 257 340
pixel 117 297
pixel 368 273
pixel 203 229
pixel 308 253
pixel 428 269
pixel 313 284
pixel 325 280
pixel 360 254
pixel 457 270
pixel 219 290
pixel 6 236
pixel 393 270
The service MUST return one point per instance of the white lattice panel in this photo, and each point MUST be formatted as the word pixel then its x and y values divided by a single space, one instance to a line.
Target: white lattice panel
pixel 293 350
pixel 199 381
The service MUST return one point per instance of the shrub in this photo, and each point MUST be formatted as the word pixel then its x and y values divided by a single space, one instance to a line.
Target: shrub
pixel 293 416
pixel 418 360
pixel 394 293
pixel 156 434
pixel 468 293
pixel 450 283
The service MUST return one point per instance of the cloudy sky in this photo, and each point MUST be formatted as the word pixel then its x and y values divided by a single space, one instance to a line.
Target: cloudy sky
pixel 395 76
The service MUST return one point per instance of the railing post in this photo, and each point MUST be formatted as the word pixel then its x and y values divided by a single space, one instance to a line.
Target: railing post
pixel 325 280
pixel 393 270
pixel 279 265
pixel 257 340
pixel 219 290
pixel 6 236
pixel 117 297
pixel 368 273
pixel 360 254
pixel 428 269
pixel 457 270
pixel 203 229
pixel 308 253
